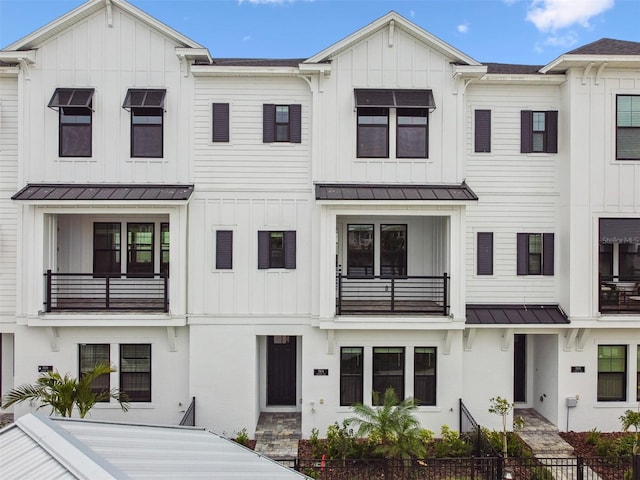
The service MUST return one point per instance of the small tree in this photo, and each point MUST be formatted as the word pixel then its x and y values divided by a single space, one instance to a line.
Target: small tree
pixel 501 406
pixel 632 419
pixel 63 393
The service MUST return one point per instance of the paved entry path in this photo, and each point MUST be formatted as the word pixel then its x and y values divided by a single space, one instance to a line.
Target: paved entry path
pixel 545 443
pixel 277 435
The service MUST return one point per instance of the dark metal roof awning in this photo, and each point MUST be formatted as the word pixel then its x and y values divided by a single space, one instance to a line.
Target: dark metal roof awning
pixel 144 98
pixel 515 315
pixel 103 192
pixel 71 97
pixel 394 192
pixel 620 230
pixel 370 97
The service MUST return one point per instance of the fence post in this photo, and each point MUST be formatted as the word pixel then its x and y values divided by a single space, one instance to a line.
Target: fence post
pixel 48 298
pixel 166 291
pixel 580 467
pixel 445 307
pixel 635 467
pixel 339 293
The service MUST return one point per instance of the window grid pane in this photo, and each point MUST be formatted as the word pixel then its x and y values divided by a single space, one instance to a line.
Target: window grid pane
pixel 393 250
pixel 135 371
pixel 106 248
pixel 373 132
pixel 140 248
pixel 351 375
pixel 360 250
pixel 612 361
pixel 425 375
pixel 91 355
pixel 388 371
pixel 276 249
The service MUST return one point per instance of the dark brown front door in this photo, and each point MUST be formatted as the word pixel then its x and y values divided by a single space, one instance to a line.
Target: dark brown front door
pixel 281 370
pixel 519 368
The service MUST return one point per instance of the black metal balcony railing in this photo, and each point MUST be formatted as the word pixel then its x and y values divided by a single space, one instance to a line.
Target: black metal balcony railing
pixel 375 295
pixel 106 291
pixel 620 294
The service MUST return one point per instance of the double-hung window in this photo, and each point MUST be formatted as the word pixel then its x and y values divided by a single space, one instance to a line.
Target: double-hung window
pixel 378 108
pixel 628 127
pixel 135 371
pixel 91 355
pixel 351 359
pixel 535 254
pixel 281 123
pixel 612 373
pixel 424 361
pixel 277 249
pixel 388 372
pixel 538 131
pixel 147 118
pixel 74 107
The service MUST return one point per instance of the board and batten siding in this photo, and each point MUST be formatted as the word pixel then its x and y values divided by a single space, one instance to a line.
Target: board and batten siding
pixel 246 163
pixel 372 63
pixel 130 54
pixel 245 289
pixel 8 186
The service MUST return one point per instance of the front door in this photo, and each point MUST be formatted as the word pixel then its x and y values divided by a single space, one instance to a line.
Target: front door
pixel 281 370
pixel 519 368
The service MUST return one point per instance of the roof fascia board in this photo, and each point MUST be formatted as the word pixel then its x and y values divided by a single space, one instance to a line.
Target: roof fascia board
pixel 194 53
pixel 105 203
pixel 396 203
pixel 382 22
pixel 15 56
pixel 559 63
pixel 67 450
pixel 522 79
pixel 91 7
pixel 227 71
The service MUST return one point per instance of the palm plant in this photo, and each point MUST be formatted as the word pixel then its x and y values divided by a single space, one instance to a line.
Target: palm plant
pixel 63 393
pixel 392 425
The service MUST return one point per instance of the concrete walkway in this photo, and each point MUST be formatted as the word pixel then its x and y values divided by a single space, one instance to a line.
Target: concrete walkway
pixel 548 447
pixel 277 435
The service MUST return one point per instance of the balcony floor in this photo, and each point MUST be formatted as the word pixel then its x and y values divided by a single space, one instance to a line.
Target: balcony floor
pixel 383 307
pixel 98 304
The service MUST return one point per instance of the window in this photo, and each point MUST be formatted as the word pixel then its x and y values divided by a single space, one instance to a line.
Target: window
pixel 424 360
pixel 535 253
pixel 360 251
pixel 135 371
pixel 638 374
pixel 351 375
pixel 409 108
pixel 484 253
pixel 164 248
pixel 277 249
pixel 89 356
pixel 106 248
pixel 619 249
pixel 412 138
pixel 388 371
pixel 74 107
pixel 612 373
pixel 220 122
pixel 628 127
pixel 482 134
pixel 281 123
pixel 147 113
pixel 224 249
pixel 140 248
pixel 393 250
pixel 539 132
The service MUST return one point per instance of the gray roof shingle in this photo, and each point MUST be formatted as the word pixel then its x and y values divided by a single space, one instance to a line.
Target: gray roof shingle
pixel 608 46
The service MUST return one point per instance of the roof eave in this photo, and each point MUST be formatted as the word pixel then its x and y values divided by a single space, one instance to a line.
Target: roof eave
pixel 523 78
pixel 563 62
pixel 249 71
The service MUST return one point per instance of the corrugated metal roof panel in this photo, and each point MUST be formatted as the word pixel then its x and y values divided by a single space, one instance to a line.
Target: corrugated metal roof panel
pixel 515 315
pixel 393 192
pixel 127 192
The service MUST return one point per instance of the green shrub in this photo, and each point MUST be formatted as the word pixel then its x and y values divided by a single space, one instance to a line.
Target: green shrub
pixel 624 446
pixel 242 437
pixel 451 444
pixel 593 436
pixel 342 442
pixel 317 447
pixel 605 447
pixel 515 446
pixel 540 473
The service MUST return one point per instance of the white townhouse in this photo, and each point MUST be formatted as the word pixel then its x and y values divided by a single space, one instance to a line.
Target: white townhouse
pixel 291 235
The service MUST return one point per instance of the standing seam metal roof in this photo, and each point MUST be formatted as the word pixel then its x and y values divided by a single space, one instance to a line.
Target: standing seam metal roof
pixel 394 192
pixel 128 192
pixel 515 315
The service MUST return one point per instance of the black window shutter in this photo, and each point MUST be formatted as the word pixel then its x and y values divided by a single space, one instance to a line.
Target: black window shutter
pixel 220 122
pixel 290 249
pixel 523 254
pixel 268 123
pixel 263 249
pixel 483 130
pixel 547 253
pixel 526 131
pixel 552 131
pixel 485 253
pixel 295 123
pixel 224 249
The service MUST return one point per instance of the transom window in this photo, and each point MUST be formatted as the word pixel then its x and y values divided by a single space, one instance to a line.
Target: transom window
pixel 628 127
pixel 612 373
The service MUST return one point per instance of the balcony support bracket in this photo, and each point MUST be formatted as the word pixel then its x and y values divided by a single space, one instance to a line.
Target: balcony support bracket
pixel 54 338
pixel 448 339
pixel 171 337
pixel 331 340
pixel 583 334
pixel 507 337
pixel 569 339
pixel 469 337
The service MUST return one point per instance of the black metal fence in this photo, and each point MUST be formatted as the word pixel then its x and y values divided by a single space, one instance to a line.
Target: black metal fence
pixel 189 417
pixel 476 468
pixel 106 291
pixel 423 295
pixel 619 294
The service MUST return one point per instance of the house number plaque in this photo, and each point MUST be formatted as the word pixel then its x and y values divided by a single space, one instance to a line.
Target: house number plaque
pixel 45 368
pixel 577 369
pixel 321 372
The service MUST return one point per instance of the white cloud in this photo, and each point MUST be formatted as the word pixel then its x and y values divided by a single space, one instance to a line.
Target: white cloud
pixel 246 38
pixel 412 13
pixel 567 40
pixel 551 15
pixel 463 27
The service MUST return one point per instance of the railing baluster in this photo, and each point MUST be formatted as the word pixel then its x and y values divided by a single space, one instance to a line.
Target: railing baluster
pixel 166 293
pixel 393 294
pixel 48 300
pixel 339 294
pixel 107 291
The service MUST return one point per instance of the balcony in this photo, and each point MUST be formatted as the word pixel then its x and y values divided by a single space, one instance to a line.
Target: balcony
pixel 406 295
pixel 106 292
pixel 620 295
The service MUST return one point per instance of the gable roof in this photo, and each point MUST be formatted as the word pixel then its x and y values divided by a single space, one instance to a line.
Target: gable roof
pixel 396 21
pixel 608 46
pixel 36 446
pixel 606 52
pixel 89 8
